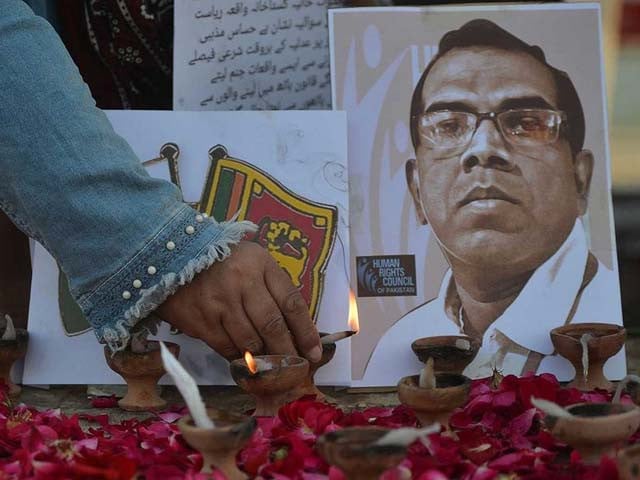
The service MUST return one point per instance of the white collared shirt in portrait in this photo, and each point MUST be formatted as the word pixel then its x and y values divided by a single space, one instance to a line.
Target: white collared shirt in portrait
pixel 558 292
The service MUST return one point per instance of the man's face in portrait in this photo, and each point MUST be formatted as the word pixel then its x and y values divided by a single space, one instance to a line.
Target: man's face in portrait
pixel 503 187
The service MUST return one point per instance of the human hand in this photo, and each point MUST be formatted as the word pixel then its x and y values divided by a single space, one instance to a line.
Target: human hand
pixel 245 302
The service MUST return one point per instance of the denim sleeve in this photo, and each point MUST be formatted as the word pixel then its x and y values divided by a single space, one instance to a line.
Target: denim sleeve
pixel 126 241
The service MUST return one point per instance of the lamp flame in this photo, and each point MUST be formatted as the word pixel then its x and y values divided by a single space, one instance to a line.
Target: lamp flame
pixel 251 363
pixel 354 324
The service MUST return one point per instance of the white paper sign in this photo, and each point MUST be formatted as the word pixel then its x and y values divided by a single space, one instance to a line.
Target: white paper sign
pixel 251 55
pixel 304 151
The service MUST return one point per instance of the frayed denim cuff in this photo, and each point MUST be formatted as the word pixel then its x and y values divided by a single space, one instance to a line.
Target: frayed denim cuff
pixel 189 243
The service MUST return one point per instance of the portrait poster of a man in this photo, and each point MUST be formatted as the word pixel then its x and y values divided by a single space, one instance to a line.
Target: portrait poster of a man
pixel 480 199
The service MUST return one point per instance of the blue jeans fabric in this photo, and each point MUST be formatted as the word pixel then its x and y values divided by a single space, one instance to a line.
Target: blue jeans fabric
pixel 46 9
pixel 77 188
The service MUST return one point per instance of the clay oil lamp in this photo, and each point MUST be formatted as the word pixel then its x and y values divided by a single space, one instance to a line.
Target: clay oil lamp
pixel 140 364
pixel 308 387
pixel 217 435
pixel 269 379
pixel 220 444
pixel 13 346
pixel 588 346
pixel 450 353
pixel 629 463
pixel 630 384
pixel 434 396
pixel 328 342
pixel 593 429
pixel 365 453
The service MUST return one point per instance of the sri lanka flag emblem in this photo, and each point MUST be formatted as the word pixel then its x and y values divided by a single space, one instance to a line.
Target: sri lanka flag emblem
pixel 298 232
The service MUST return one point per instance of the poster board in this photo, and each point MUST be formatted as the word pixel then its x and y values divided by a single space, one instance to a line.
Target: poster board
pixel 296 157
pixel 521 284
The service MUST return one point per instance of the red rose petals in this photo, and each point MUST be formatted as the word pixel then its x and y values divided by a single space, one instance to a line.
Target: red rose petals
pixel 104 402
pixel 497 433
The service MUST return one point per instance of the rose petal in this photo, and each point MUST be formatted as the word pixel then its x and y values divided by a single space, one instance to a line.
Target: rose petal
pixel 170 417
pixel 104 402
pixel 433 475
pixel 504 399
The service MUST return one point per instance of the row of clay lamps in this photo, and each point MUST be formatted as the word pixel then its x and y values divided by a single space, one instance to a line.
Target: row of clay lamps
pixel 277 380
pixel 593 429
pixel 590 428
pixel 142 371
pixel 452 354
pixel 272 380
pixel 355 450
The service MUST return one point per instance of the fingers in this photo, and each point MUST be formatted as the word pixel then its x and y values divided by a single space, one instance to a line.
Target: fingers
pixel 265 315
pixel 295 312
pixel 241 331
pixel 208 328
pixel 218 339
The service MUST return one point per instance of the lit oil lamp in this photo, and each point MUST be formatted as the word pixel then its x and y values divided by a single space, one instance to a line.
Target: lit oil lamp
pixel 13 346
pixel 450 353
pixel 434 396
pixel 270 379
pixel 140 364
pixel 588 346
pixel 328 342
pixel 593 429
pixel 217 435
pixel 365 453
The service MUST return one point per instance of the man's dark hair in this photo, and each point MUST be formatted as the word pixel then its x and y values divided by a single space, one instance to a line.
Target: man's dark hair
pixel 484 33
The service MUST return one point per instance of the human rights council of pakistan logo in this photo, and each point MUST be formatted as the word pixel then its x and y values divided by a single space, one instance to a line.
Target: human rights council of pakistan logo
pixel 299 233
